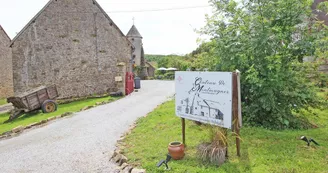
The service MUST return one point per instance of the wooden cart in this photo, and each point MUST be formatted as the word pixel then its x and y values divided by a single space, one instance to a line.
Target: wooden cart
pixel 39 98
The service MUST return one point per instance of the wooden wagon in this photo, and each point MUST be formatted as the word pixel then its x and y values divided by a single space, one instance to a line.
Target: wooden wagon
pixel 39 98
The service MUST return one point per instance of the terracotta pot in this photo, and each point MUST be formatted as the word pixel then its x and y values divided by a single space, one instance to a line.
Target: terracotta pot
pixel 176 150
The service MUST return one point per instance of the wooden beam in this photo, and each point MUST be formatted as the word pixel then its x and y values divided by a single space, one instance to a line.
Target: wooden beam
pixel 235 108
pixel 183 121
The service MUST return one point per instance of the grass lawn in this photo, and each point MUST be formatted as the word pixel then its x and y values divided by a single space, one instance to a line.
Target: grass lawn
pixel 261 150
pixel 3 101
pixel 29 118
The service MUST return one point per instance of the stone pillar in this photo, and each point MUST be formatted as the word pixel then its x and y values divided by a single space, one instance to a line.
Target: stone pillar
pixel 120 77
pixel 6 72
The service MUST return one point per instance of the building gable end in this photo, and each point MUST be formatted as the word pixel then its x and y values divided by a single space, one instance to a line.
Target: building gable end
pixel 30 22
pixel 5 33
pixel 49 3
pixel 110 20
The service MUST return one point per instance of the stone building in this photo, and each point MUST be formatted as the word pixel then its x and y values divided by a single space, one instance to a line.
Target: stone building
pixel 150 69
pixel 138 55
pixel 321 16
pixel 73 44
pixel 6 75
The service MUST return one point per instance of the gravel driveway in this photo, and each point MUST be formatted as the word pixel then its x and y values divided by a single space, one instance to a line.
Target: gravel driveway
pixel 81 143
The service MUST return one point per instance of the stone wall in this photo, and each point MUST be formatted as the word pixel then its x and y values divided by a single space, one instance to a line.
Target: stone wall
pixel 324 63
pixel 321 15
pixel 324 66
pixel 71 44
pixel 6 74
pixel 151 71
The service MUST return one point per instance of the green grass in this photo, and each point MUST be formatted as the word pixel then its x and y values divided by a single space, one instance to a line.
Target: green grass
pixel 30 118
pixel 261 150
pixel 3 101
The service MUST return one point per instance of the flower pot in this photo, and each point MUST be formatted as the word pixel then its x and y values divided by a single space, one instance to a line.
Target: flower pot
pixel 176 150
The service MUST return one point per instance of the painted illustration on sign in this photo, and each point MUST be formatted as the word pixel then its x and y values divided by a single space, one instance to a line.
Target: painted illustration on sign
pixel 204 97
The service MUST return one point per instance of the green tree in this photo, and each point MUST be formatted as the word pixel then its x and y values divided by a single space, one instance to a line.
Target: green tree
pixel 180 62
pixel 204 56
pixel 266 41
pixel 154 58
pixel 163 62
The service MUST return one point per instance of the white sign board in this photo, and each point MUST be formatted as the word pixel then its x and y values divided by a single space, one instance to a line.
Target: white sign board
pixel 205 97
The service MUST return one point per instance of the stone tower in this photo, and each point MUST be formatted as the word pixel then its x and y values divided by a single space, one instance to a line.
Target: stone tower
pixel 138 56
pixel 136 39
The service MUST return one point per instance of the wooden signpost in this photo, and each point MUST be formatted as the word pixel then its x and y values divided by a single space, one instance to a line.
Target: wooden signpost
pixel 184 131
pixel 193 113
pixel 235 110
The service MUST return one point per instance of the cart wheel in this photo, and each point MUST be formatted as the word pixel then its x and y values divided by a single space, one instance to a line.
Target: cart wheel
pixel 49 106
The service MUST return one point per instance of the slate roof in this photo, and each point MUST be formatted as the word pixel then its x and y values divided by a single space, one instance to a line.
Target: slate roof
pixel 150 65
pixel 133 32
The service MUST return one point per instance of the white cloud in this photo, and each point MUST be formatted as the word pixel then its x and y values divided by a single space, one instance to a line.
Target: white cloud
pixel 164 32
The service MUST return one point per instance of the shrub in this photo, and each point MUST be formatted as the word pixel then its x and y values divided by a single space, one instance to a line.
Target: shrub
pixel 215 151
pixel 265 40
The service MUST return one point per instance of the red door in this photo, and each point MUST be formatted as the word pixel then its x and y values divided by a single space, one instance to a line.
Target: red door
pixel 129 82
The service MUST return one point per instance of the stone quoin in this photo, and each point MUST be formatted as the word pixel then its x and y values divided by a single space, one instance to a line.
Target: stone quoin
pixel 6 75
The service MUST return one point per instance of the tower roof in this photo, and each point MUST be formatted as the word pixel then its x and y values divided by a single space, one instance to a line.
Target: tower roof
pixel 134 32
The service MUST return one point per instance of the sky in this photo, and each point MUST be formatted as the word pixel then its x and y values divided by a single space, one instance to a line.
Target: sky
pixel 164 32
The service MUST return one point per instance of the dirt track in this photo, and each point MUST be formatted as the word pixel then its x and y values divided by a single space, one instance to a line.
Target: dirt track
pixel 81 143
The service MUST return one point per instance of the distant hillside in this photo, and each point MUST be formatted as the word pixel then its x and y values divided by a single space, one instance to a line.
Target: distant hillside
pixel 154 58
pixel 168 61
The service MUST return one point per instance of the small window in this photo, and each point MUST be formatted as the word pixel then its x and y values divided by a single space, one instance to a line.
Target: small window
pixel 132 39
